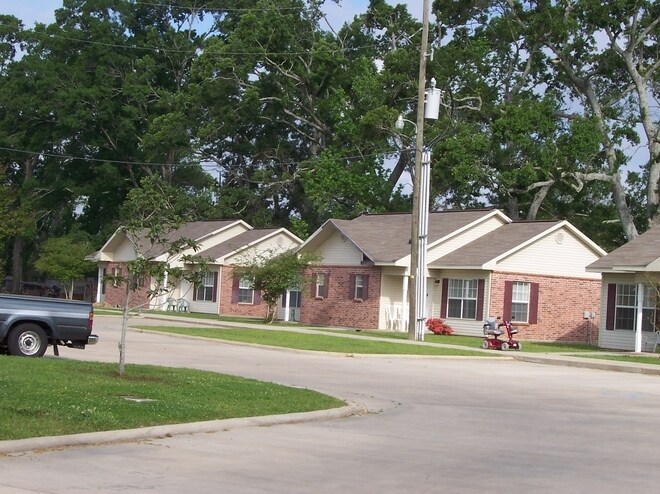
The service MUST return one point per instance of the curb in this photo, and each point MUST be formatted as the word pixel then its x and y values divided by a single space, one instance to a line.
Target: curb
pixel 160 431
pixel 591 364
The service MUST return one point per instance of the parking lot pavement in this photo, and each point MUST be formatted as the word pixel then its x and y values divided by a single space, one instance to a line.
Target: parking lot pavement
pixel 433 425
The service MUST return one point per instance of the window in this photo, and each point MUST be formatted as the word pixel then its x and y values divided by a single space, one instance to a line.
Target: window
pixel 520 301
pixel 116 272
pixel 206 288
pixel 321 285
pixel 359 287
pixel 462 299
pixel 245 291
pixel 625 308
pixel 295 297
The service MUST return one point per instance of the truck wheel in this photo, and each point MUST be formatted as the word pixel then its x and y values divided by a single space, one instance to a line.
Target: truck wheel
pixel 27 340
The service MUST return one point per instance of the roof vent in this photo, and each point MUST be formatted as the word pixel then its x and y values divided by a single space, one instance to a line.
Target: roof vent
pixel 559 238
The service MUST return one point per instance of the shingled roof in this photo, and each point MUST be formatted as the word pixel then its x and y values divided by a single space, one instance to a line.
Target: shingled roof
pixel 640 254
pixel 505 239
pixel 385 238
pixel 195 230
pixel 235 243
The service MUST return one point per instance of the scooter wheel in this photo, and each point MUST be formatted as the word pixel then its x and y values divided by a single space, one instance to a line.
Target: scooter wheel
pixel 505 346
pixel 485 345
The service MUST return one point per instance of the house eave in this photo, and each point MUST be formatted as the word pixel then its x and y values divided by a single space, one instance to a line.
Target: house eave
pixel 465 267
pixel 622 270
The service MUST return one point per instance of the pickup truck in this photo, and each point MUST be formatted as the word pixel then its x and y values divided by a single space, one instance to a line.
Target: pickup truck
pixel 29 324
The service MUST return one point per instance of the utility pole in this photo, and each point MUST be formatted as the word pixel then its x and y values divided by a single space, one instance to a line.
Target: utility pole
pixel 417 271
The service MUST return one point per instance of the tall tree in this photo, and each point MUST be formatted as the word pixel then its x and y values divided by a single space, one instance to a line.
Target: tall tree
pixel 598 62
pixel 152 215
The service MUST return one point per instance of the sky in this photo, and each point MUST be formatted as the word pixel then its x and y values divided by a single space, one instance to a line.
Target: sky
pixel 31 11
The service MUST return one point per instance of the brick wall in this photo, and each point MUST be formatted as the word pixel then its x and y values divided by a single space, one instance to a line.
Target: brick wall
pixel 228 308
pixel 114 295
pixel 562 302
pixel 337 309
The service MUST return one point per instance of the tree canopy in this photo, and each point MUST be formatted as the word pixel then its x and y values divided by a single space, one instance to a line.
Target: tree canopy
pixel 264 111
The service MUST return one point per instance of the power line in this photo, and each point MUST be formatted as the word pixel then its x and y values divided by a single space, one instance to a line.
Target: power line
pixel 156 49
pixel 380 153
pixel 214 9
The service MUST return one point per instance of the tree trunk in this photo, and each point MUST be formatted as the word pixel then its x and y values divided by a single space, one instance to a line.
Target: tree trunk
pixel 17 265
pixel 124 326
pixel 512 208
pixel 539 197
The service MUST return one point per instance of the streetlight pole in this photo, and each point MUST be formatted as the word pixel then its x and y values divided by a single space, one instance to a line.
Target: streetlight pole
pixel 417 278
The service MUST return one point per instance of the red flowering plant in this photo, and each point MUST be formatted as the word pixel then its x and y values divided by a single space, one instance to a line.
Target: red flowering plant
pixel 438 326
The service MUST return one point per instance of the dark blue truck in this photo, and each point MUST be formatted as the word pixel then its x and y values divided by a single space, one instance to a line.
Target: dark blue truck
pixel 29 324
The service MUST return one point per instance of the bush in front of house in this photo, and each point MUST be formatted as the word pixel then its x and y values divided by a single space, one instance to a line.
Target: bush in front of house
pixel 438 326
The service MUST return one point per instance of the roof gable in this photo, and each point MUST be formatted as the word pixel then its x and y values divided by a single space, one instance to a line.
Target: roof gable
pixel 385 238
pixel 197 231
pixel 508 240
pixel 250 239
pixel 640 254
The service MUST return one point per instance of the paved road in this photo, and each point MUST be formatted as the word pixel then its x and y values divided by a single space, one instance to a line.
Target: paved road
pixel 450 425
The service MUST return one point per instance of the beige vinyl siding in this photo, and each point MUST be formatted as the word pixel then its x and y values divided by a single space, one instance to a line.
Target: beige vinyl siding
pixel 275 244
pixel 464 238
pixel 125 252
pixel 204 307
pixel 222 236
pixel 621 339
pixel 557 254
pixel 463 327
pixel 338 251
pixel 391 303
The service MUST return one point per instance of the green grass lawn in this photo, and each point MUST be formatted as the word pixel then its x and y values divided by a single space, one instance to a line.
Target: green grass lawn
pixel 49 396
pixel 474 341
pixel 315 341
pixel 636 359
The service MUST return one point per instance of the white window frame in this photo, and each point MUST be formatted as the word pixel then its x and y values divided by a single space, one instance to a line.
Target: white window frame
pixel 520 301
pixel 466 293
pixel 359 287
pixel 206 287
pixel 626 294
pixel 245 291
pixel 116 272
pixel 321 285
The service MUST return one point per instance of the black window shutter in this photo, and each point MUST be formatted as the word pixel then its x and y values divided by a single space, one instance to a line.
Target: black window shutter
pixel 443 299
pixel 365 286
pixel 351 287
pixel 480 299
pixel 508 295
pixel 533 303
pixel 234 290
pixel 611 306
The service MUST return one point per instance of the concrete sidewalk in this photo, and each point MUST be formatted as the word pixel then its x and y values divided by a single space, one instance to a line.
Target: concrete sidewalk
pixel 568 360
pixel 45 443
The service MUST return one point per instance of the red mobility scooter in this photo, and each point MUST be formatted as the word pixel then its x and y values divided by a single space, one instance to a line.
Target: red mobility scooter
pixel 493 329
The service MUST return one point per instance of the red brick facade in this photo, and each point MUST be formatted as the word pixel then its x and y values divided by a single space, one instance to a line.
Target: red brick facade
pixel 561 305
pixel 229 307
pixel 338 308
pixel 114 294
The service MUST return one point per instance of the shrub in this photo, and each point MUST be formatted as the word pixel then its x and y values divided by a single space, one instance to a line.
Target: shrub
pixel 438 326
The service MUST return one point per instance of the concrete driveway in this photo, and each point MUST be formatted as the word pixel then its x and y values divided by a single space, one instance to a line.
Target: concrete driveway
pixel 454 425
